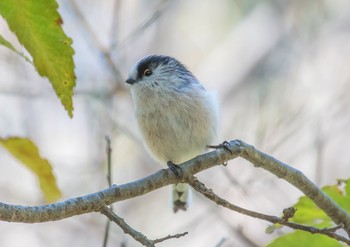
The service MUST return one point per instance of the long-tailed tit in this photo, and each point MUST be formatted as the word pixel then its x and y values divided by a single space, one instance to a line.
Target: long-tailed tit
pixel 176 116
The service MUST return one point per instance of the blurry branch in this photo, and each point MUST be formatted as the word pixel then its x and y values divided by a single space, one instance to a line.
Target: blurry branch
pixel 115 25
pixel 319 143
pixel 109 160
pixel 238 231
pixel 116 44
pixel 109 180
pixel 146 24
pixel 221 242
pixel 94 38
pixel 97 202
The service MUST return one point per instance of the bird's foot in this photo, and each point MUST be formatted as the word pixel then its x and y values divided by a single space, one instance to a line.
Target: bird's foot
pixel 225 145
pixel 175 169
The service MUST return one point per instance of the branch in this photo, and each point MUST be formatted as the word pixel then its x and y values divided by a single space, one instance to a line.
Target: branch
pixel 179 235
pixel 298 180
pixel 287 213
pixel 95 40
pixel 138 236
pixel 109 180
pixel 96 201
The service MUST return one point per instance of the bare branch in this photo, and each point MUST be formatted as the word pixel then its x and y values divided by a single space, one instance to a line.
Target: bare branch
pixel 298 180
pixel 109 180
pixel 138 236
pixel 96 201
pixel 109 160
pixel 179 235
pixel 208 193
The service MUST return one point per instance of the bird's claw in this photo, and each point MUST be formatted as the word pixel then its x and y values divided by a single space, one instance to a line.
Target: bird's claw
pixel 225 145
pixel 175 169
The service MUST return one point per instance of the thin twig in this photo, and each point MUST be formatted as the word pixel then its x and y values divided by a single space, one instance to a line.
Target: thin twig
pixel 179 235
pixel 109 180
pixel 245 238
pixel 208 193
pixel 109 160
pixel 95 40
pixel 115 25
pixel 156 14
pixel 106 235
pixel 138 236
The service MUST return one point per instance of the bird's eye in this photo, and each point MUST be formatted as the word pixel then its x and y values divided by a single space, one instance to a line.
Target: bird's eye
pixel 147 72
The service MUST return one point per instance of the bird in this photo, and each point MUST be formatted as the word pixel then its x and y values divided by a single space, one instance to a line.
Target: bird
pixel 176 116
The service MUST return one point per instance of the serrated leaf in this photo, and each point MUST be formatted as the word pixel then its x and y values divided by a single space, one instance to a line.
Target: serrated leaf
pixel 304 239
pixel 7 44
pixel 37 25
pixel 26 151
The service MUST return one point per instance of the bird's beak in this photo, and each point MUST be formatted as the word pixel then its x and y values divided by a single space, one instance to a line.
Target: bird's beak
pixel 130 81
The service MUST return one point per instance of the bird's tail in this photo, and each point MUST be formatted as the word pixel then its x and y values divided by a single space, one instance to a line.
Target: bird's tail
pixel 180 196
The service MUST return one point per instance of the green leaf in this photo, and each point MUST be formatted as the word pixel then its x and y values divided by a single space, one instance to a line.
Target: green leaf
pixel 309 213
pixel 339 194
pixel 27 152
pixel 304 239
pixel 347 186
pixel 37 25
pixel 7 44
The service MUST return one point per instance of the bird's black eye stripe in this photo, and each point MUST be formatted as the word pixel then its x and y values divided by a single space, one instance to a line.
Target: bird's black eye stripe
pixel 147 72
pixel 146 66
pixel 151 62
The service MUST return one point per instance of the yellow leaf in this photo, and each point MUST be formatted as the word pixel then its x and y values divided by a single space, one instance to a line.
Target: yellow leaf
pixel 26 151
pixel 38 27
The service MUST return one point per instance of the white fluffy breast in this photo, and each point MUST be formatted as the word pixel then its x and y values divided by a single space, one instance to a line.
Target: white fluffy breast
pixel 175 126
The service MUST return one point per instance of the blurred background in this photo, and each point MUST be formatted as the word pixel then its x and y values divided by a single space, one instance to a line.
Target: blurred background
pixel 281 73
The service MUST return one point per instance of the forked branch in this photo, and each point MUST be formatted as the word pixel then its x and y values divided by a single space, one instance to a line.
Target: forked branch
pixel 96 202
